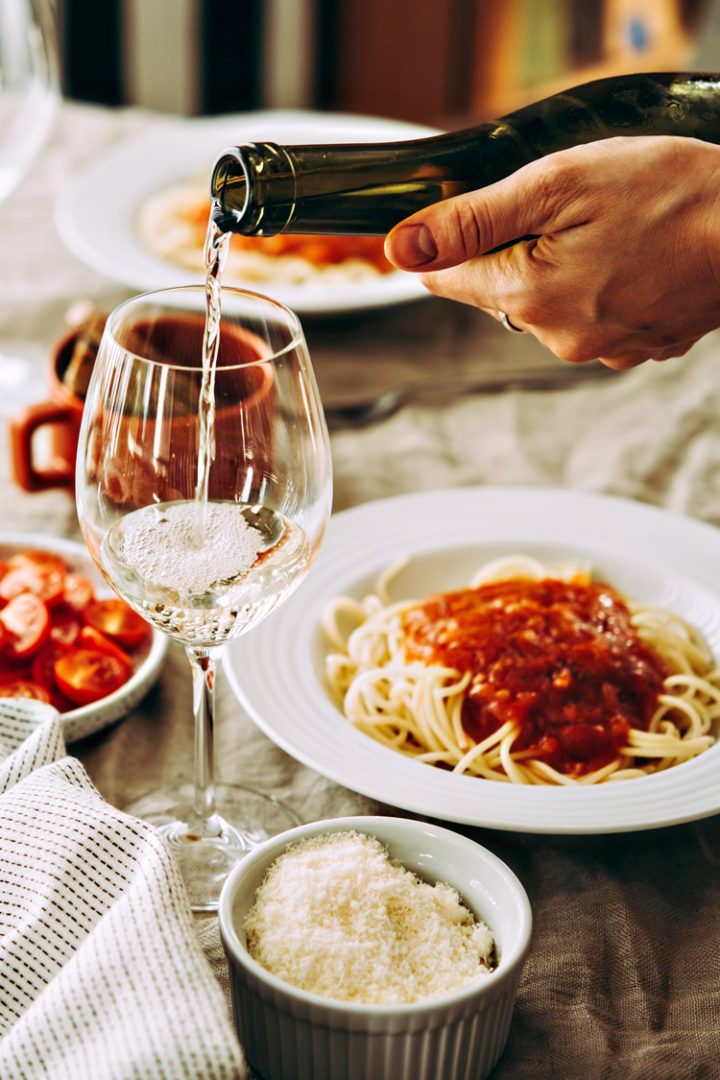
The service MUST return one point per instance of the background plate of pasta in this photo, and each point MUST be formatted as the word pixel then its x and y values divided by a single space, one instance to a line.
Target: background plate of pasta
pixel 158 186
pixel 528 659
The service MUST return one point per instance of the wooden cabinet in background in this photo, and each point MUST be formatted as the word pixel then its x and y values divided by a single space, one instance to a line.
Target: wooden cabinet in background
pixel 434 60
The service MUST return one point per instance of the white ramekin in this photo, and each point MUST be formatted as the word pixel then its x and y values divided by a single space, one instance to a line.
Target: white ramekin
pixel 289 1034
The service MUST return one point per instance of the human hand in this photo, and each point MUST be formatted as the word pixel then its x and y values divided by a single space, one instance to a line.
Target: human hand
pixel 621 259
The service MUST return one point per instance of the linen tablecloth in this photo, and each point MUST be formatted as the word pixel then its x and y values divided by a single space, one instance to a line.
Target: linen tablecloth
pixel 622 979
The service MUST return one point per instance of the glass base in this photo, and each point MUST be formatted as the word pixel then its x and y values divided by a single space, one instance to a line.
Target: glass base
pixel 205 856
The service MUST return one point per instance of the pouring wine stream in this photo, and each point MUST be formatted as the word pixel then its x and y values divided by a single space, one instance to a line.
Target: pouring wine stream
pixel 204 504
pixel 204 822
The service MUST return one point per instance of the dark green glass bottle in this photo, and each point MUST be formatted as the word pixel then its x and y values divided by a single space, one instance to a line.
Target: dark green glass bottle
pixel 365 188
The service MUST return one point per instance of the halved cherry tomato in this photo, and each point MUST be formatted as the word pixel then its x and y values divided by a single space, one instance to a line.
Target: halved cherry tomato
pixel 65 625
pixel 26 620
pixel 46 582
pixel 11 668
pixel 24 688
pixel 42 672
pixel 86 675
pixel 91 638
pixel 42 669
pixel 116 619
pixel 44 560
pixel 79 591
pixel 57 642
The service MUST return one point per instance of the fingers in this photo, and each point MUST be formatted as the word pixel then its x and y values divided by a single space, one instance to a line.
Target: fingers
pixel 553 306
pixel 633 358
pixel 544 196
pixel 525 280
pixel 411 246
pixel 600 251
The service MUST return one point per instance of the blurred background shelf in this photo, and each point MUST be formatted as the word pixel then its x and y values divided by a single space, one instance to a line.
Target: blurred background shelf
pixel 428 61
pixel 531 48
pixel 420 60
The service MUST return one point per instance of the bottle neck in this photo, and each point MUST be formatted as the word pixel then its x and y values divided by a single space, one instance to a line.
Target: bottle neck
pixel 262 188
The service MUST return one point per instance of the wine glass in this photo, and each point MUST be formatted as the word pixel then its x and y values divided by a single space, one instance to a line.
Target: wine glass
pixel 28 103
pixel 28 85
pixel 204 554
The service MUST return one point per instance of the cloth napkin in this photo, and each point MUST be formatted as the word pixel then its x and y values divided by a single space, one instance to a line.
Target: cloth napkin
pixel 101 974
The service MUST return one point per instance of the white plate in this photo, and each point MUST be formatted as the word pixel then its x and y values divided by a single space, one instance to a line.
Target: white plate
pixel 655 556
pixel 96 211
pixel 87 719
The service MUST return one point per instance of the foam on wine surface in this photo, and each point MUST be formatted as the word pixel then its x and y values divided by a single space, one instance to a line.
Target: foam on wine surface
pixel 204 572
pixel 163 549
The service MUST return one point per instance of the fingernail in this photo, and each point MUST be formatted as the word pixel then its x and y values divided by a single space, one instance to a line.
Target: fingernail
pixel 411 245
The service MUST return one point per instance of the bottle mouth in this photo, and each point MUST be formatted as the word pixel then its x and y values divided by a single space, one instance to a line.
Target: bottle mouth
pixel 252 188
pixel 229 190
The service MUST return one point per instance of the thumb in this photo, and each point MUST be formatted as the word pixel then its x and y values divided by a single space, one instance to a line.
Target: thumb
pixel 536 199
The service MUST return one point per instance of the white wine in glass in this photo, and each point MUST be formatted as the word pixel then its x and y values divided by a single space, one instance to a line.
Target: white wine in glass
pixel 204 552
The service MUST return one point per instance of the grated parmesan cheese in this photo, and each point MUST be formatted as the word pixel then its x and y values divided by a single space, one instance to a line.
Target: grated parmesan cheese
pixel 336 916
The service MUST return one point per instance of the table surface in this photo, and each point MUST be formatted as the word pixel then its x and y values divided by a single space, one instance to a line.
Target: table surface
pixel 622 976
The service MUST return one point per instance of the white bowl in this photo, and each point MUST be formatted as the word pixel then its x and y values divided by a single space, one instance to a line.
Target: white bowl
pixel 290 1034
pixel 87 719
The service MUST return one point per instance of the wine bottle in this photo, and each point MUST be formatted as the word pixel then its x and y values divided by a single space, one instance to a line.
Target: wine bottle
pixel 263 188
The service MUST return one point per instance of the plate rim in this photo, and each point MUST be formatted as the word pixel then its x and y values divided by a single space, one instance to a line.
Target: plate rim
pixel 146 271
pixel 288 631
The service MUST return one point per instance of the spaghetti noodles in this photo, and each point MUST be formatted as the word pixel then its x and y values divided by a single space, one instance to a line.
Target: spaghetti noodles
pixel 532 674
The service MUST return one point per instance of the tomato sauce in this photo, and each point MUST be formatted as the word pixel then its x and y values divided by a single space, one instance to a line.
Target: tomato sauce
pixel 316 249
pixel 560 659
pixel 320 250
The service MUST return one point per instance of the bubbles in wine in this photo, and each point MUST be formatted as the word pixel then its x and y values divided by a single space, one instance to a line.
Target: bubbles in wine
pixel 165 548
pixel 203 586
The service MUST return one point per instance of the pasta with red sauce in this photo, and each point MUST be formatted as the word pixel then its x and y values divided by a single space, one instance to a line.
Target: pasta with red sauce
pixel 528 675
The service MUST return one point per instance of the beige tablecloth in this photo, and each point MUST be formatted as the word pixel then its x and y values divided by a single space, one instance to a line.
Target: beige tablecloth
pixel 622 979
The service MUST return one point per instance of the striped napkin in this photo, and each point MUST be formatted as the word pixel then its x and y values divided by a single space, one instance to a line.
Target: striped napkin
pixel 101 974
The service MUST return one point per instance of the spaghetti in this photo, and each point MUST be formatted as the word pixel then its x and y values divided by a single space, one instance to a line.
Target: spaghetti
pixel 533 674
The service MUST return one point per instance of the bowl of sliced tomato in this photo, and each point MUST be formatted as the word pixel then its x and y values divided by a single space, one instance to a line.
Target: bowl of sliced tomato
pixel 66 639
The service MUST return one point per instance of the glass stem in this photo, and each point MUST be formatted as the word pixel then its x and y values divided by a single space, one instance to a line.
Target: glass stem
pixel 203 664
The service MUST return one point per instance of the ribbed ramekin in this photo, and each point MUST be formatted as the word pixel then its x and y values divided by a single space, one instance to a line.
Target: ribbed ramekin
pixel 289 1034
